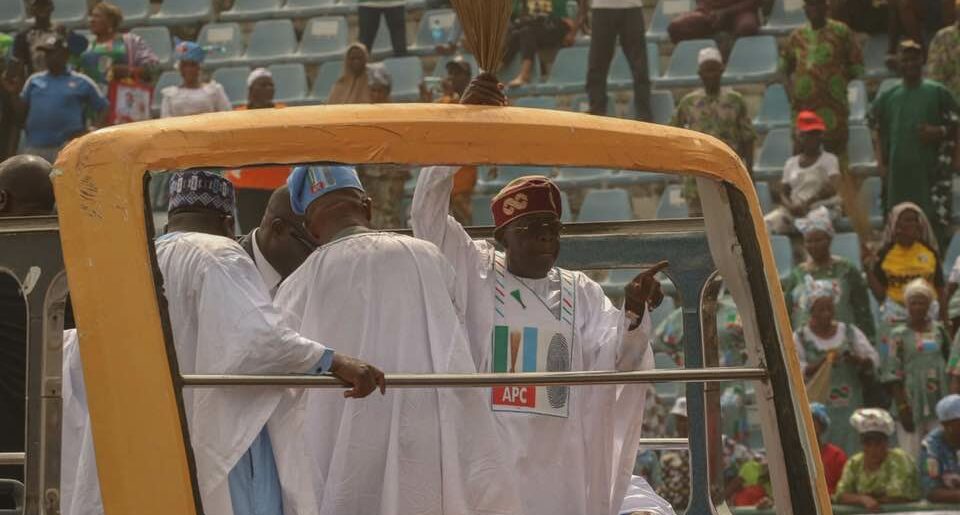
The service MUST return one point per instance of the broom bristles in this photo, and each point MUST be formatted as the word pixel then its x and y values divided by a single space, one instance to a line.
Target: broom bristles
pixel 484 25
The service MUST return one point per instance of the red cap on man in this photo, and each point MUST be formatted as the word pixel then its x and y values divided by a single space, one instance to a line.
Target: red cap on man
pixel 525 196
pixel 808 121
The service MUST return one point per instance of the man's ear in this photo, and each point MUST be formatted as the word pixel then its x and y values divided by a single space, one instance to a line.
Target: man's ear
pixel 4 201
pixel 277 226
pixel 368 208
pixel 229 226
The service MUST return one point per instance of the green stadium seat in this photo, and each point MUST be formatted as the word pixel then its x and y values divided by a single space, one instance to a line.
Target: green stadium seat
pixel 158 39
pixel 226 42
pixel 234 82
pixel 12 14
pixel 860 150
pixel 785 16
pixel 753 60
pixel 682 70
pixel 782 253
pixel 672 204
pixel 167 78
pixel 874 57
pixel 606 205
pixel 325 37
pixel 135 12
pixel 847 245
pixel 536 102
pixel 406 74
pixel 69 13
pixel 327 75
pixel 857 99
pixel 272 41
pixel 181 12
pixel 246 10
pixel 663 14
pixel 423 43
pixel 290 83
pixel 776 149
pixel 774 110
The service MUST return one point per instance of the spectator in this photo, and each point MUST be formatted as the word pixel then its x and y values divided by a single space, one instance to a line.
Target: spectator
pixel 115 56
pixel 943 64
pixel 353 86
pixel 675 465
pixel 26 42
pixel 915 124
pixel 878 475
pixel 368 22
pixel 254 185
pixel 381 83
pixel 852 305
pixel 819 60
pixel 915 366
pixel 536 25
pixel 837 349
pixel 738 17
pixel 952 294
pixel 192 96
pixel 55 102
pixel 908 250
pixel 612 19
pixel 940 455
pixel 916 21
pixel 383 183
pixel 719 112
pixel 11 83
pixel 833 457
pixel 811 178
pixel 459 73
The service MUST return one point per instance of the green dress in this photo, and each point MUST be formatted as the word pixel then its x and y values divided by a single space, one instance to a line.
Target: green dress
pixel 896 477
pixel 846 386
pixel 919 360
pixel 853 306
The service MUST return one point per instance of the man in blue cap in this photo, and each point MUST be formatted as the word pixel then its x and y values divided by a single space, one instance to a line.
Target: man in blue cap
pixel 388 299
pixel 940 455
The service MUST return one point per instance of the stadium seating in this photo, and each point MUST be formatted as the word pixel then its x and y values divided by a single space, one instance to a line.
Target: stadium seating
pixel 440 69
pixel 307 8
pixel 69 13
pixel 381 43
pixel 290 82
pixel 328 74
pixel 847 245
pixel 406 74
pixel 785 16
pixel 568 178
pixel 663 14
pixel 661 106
pixel 324 38
pixel 874 55
pixel 424 43
pixel 782 253
pixel 682 70
pixel 606 205
pixel 857 99
pixel 481 210
pixel 536 102
pixel 12 14
pixel 753 60
pixel 672 204
pixel 581 104
pixel 860 150
pixel 870 196
pixel 272 41
pixel 234 82
pixel 887 84
pixel 244 10
pixel 627 178
pixel 569 71
pixel 952 253
pixel 512 69
pixel 167 78
pixel 135 12
pixel 180 12
pixel 774 110
pixel 158 39
pixel 226 42
pixel 765 197
pixel 505 174
pixel 777 148
pixel 620 75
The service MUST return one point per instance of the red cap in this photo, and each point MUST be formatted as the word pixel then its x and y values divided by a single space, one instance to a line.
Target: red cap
pixel 525 196
pixel 809 121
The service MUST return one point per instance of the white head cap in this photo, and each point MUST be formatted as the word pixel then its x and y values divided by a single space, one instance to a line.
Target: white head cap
pixel 709 53
pixel 679 407
pixel 872 420
pixel 256 74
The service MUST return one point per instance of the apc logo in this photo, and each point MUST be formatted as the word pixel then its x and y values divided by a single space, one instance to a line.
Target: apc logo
pixel 516 203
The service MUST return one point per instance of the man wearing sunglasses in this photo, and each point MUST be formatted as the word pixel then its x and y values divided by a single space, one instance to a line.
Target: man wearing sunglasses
pixel 524 314
pixel 280 244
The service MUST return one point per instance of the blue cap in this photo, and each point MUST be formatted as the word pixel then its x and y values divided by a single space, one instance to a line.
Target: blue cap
pixel 819 412
pixel 188 51
pixel 202 189
pixel 310 182
pixel 949 408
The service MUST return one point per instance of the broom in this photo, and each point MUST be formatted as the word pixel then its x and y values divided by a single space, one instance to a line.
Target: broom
pixel 485 25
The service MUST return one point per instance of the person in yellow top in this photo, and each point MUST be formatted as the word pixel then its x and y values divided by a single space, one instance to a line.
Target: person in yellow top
pixel 908 251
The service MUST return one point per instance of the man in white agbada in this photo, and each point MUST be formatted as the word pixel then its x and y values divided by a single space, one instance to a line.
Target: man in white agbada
pixel 388 298
pixel 247 443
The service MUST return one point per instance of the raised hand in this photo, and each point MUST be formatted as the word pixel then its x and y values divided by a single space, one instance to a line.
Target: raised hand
pixel 644 290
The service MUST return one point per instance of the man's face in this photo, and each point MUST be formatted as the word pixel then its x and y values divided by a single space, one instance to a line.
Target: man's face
pixel 459 78
pixel 710 73
pixel 875 448
pixel 323 212
pixel 262 91
pixel 810 141
pixel 41 8
pixel 816 12
pixel 911 63
pixel 533 242
pixel 55 58
pixel 951 429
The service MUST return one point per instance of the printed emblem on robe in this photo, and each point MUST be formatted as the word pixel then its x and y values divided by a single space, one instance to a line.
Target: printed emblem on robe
pixel 527 349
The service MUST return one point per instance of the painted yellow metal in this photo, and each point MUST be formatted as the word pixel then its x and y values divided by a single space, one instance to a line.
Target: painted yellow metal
pixel 141 457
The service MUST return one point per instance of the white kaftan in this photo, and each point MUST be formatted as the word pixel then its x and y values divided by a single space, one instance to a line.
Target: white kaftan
pixel 388 300
pixel 580 462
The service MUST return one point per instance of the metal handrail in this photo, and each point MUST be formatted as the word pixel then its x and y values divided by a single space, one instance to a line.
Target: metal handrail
pixel 484 380
pixel 665 444
pixel 12 458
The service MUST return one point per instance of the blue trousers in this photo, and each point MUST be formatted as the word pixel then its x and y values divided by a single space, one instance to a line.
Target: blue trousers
pixel 254 482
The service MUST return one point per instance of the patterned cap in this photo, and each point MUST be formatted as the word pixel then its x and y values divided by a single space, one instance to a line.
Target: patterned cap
pixel 201 189
pixel 949 408
pixel 816 220
pixel 919 286
pixel 819 412
pixel 872 420
pixel 310 182
pixel 679 407
pixel 816 289
pixel 707 54
pixel 525 196
pixel 189 51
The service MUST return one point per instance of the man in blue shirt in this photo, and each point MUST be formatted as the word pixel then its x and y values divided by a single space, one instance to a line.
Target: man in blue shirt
pixel 55 102
pixel 940 455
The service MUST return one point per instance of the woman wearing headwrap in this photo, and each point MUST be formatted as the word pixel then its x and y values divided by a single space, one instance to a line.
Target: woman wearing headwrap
pixel 833 457
pixel 192 96
pixel 353 86
pixel 852 303
pixel 841 347
pixel 879 474
pixel 914 366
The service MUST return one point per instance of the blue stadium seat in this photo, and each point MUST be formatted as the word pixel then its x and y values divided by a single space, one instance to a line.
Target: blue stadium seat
pixel 847 245
pixel 606 205
pixel 234 82
pixel 682 70
pixel 581 104
pixel 753 59
pixel 663 14
pixel 653 61
pixel 536 102
pixel 953 251
pixel 568 178
pixel 567 215
pixel 672 204
pixel 381 43
pixel 661 105
pixel 505 174
pixel 423 43
pixel 777 148
pixel 290 81
pixel 406 74
pixel 12 14
pixel 167 78
pixel 324 37
pixel 765 197
pixel 774 111
pixel 135 12
pixel 69 13
pixel 158 39
pixel 440 69
pixel 328 74
pixel 785 16
pixel 481 210
pixel 632 178
pixel 888 84
pixel 782 253
pixel 860 150
pixel 857 99
pixel 305 8
pixel 661 312
pixel 244 10
pixel 874 55
pixel 510 70
pixel 270 42
pixel 568 73
pixel 226 41
pixel 620 75
pixel 179 12
pixel 870 195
